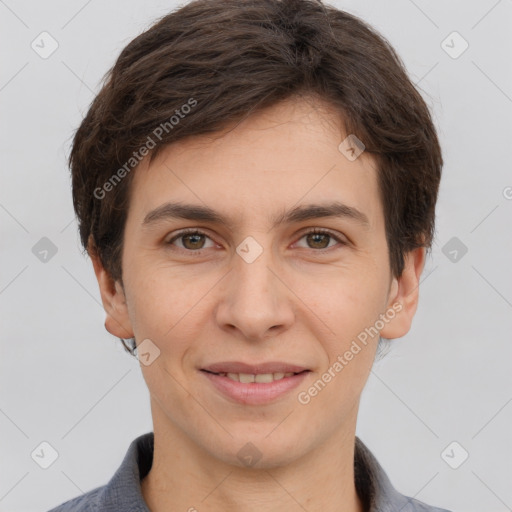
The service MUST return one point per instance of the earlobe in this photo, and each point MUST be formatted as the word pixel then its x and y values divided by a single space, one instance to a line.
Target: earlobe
pixel 404 296
pixel 117 321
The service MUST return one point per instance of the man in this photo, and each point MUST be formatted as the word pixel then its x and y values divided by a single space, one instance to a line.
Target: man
pixel 256 185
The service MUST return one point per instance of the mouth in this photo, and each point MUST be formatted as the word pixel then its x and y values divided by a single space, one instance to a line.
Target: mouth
pixel 254 384
pixel 261 378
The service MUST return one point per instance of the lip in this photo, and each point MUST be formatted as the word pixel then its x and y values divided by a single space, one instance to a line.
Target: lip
pixel 255 369
pixel 254 393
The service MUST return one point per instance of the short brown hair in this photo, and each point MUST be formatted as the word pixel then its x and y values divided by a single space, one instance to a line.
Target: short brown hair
pixel 230 58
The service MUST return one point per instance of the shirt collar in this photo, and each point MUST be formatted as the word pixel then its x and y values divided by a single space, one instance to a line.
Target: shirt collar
pixel 123 491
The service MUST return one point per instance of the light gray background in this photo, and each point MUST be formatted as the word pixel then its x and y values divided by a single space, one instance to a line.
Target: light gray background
pixel 65 380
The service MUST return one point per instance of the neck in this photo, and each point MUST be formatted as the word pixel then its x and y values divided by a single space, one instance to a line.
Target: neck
pixel 184 477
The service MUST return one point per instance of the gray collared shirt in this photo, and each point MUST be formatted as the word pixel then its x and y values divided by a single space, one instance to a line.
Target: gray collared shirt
pixel 123 492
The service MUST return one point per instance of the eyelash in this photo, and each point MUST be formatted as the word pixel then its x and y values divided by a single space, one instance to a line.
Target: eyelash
pixel 194 231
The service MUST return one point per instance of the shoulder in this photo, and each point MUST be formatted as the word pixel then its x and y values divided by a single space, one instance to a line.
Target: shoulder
pixel 87 502
pixel 413 505
pixel 123 491
pixel 375 488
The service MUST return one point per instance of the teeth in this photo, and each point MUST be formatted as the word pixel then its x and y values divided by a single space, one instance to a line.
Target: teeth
pixel 265 378
pixel 246 378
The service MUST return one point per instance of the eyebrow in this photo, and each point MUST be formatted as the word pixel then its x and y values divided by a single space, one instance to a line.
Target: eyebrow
pixel 169 211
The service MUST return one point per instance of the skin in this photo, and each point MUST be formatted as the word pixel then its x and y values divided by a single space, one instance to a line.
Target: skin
pixel 302 301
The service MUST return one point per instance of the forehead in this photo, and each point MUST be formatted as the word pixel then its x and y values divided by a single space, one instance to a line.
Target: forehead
pixel 273 160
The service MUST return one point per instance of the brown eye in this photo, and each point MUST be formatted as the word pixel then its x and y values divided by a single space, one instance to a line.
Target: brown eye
pixel 191 240
pixel 320 239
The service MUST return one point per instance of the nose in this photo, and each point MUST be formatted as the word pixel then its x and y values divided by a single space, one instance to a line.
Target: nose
pixel 255 302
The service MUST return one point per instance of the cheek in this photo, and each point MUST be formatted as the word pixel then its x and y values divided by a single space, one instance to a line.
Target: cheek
pixel 347 301
pixel 349 308
pixel 164 308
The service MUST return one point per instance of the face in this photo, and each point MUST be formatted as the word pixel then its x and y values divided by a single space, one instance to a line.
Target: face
pixel 271 270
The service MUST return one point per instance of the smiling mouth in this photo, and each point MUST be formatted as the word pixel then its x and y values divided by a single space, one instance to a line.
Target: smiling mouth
pixel 259 378
pixel 254 384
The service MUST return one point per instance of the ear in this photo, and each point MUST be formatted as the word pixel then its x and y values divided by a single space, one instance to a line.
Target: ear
pixel 403 295
pixel 117 321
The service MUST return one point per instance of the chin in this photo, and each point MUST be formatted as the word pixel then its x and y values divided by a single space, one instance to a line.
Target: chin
pixel 258 450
